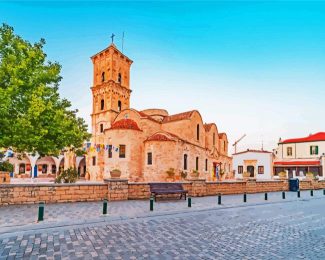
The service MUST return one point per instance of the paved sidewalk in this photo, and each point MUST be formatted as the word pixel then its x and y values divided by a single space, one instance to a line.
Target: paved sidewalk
pixel 281 230
pixel 19 217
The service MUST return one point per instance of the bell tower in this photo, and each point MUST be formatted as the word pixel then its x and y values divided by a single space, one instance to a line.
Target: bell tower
pixel 111 87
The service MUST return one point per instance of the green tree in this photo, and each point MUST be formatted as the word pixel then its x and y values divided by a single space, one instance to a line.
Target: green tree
pixel 33 117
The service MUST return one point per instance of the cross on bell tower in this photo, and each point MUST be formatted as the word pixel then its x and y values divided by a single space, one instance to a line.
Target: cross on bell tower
pixel 112 36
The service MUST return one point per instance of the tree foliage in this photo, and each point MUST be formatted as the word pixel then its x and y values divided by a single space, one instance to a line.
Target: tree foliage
pixel 33 117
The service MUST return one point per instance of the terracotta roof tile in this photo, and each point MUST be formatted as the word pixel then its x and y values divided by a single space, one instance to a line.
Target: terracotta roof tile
pixel 125 124
pixel 177 117
pixel 147 116
pixel 312 138
pixel 159 137
pixel 207 127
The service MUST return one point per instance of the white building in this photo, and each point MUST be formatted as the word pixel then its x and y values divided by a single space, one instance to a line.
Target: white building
pixel 257 162
pixel 298 156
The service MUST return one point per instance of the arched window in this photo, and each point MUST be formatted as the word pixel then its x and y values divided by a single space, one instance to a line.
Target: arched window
pixel 197 163
pixel 44 168
pixel 224 145
pixel 103 76
pixel 214 139
pixel 185 161
pixel 197 132
pixel 206 165
pixel 119 106
pixel 22 168
pixel 120 78
pixel 101 128
pixel 102 104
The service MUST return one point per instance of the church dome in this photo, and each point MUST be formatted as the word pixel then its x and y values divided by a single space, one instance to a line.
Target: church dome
pixel 125 124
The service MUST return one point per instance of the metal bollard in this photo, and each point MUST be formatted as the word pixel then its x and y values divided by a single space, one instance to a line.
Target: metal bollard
pixel 219 199
pixel 151 203
pixel 283 195
pixel 189 202
pixel 41 211
pixel 105 207
pixel 312 193
pixel 245 197
pixel 298 193
pixel 265 196
pixel 324 192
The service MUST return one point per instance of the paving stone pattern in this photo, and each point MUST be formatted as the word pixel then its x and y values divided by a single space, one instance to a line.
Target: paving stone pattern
pixel 21 215
pixel 293 230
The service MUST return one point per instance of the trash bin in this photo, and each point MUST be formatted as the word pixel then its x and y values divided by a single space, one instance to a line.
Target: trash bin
pixel 294 184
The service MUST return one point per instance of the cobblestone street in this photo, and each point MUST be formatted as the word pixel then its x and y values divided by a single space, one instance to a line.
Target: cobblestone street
pixel 276 229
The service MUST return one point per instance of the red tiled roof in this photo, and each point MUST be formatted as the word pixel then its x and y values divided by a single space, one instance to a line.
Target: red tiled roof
pixel 293 163
pixel 311 138
pixel 147 116
pixel 163 136
pixel 159 137
pixel 125 124
pixel 177 117
pixel 222 134
pixel 207 127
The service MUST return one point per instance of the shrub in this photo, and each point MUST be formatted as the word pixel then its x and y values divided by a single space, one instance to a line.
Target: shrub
pixel 67 176
pixel 195 173
pixel 6 167
pixel 183 175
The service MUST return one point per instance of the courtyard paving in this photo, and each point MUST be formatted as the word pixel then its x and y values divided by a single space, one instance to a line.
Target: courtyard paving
pixel 275 229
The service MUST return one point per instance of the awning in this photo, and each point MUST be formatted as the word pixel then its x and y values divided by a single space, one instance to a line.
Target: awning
pixel 297 163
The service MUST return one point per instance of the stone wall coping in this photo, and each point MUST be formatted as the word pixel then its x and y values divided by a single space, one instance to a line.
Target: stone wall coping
pixel 147 183
pixel 181 182
pixel 270 181
pixel 115 180
pixel 223 182
pixel 11 185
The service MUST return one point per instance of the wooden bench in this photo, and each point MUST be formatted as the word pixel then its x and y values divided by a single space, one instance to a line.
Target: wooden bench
pixel 167 188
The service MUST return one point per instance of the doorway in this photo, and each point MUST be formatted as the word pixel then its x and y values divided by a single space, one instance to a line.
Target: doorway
pixel 250 169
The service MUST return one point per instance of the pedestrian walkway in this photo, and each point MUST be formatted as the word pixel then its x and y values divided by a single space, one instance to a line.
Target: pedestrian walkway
pixel 280 230
pixel 15 217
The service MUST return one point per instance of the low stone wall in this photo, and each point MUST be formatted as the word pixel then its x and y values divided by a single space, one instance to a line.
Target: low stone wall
pixel 119 189
pixel 310 184
pixel 51 193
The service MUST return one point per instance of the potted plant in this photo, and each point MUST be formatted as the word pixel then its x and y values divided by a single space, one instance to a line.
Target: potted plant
pixel 183 175
pixel 282 175
pixel 115 173
pixel 195 174
pixel 246 175
pixel 171 172
pixel 310 176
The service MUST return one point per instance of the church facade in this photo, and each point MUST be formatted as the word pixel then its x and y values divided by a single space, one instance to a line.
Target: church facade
pixel 147 145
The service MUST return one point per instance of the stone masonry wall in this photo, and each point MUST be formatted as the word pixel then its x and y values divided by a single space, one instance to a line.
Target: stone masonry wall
pixel 119 189
pixel 51 193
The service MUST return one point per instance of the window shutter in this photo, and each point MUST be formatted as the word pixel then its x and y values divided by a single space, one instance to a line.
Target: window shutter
pixel 316 149
pixel 311 150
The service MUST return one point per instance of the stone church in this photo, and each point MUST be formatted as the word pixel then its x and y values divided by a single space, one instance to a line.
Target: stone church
pixel 148 145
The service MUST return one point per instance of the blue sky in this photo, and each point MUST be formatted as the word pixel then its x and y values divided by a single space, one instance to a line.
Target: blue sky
pixel 252 67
